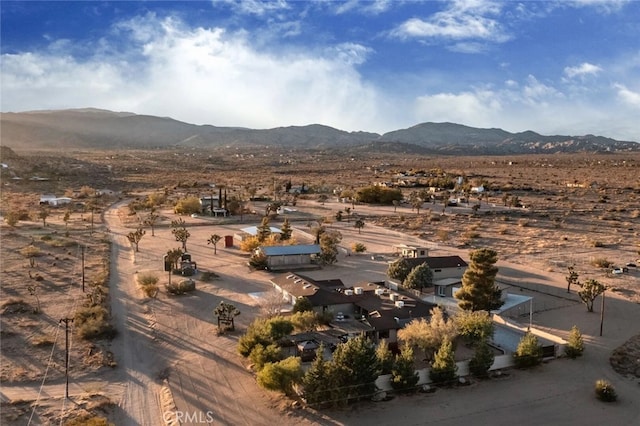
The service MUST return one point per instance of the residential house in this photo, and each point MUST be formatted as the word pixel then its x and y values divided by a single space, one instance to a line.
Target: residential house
pixel 369 308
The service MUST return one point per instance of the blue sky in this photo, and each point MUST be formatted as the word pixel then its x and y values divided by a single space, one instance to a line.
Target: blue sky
pixel 555 67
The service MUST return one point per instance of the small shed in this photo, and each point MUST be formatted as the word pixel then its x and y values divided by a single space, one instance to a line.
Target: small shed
pixel 289 257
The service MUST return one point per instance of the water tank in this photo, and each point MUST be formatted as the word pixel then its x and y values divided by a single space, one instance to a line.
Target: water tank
pixel 393 296
pixel 348 292
pixel 379 291
pixel 399 304
pixel 358 290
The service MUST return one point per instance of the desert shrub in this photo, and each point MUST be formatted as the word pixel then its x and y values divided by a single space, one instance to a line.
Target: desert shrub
pixel 529 352
pixel 358 248
pixel 442 234
pixel 92 322
pixel 575 344
pixel 601 263
pixel 597 244
pixel 188 205
pixel 147 279
pixel 263 332
pixel 605 391
pixel 471 235
pixel 250 244
pixel 181 287
pixel 208 276
pixel 523 223
pixel 88 421
pixel 30 251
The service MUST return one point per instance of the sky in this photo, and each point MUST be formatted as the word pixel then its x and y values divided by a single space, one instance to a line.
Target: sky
pixel 568 67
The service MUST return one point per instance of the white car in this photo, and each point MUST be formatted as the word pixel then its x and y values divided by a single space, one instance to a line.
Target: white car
pixel 617 271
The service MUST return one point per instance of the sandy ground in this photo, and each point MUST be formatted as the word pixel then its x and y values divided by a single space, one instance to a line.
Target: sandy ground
pixel 175 369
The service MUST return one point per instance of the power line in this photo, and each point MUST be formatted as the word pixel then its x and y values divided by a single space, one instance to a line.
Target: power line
pixel 46 372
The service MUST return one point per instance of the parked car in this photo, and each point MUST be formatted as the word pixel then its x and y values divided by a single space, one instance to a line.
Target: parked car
pixel 617 271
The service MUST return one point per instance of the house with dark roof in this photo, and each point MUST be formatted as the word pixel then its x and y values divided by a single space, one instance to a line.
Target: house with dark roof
pixel 298 256
pixel 369 308
pixel 447 272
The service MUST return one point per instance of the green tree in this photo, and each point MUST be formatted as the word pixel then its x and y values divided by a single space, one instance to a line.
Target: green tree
pixel 589 291
pixel 281 376
pixel 214 239
pixel 359 224
pixel 482 360
pixel 474 326
pixel 479 290
pixel 134 237
pixel 398 270
pixel 404 376
pixel 317 380
pixel 264 229
pixel 385 357
pixel 572 278
pixel 443 368
pixel 529 351
pixel 575 343
pixel 302 305
pixel 420 277
pixel 180 232
pixel 354 369
pixel 305 321
pixel 261 355
pixel 329 247
pixel 286 231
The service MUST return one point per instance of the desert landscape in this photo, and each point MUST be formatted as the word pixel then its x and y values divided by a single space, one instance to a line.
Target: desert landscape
pixel 152 358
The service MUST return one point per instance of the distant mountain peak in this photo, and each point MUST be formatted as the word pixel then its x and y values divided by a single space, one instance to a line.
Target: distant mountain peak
pixel 87 128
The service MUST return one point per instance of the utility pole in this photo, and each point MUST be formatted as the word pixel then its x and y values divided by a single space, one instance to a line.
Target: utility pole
pixel 66 322
pixel 602 312
pixel 82 268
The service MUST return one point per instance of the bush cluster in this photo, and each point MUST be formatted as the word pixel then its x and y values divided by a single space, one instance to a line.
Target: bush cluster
pixel 181 287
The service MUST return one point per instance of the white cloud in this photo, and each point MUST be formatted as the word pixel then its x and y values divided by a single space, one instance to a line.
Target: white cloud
pixel 584 69
pixel 532 105
pixel 256 7
pixel 627 96
pixel 201 76
pixel 462 20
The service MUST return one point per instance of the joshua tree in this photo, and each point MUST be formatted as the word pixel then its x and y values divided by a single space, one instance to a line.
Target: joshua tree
pixel 134 237
pixel 572 278
pixel 151 220
pixel 180 232
pixel 359 223
pixel 214 239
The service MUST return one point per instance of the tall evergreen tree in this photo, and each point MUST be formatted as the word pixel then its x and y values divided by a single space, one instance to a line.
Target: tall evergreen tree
pixel 404 376
pixel 354 370
pixel 479 291
pixel 443 368
pixel 316 381
pixel 286 230
pixel 264 230
pixel 482 360
pixel 575 343
pixel 385 357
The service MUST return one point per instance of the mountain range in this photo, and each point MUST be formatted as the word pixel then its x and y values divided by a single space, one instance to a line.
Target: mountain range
pixel 101 129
